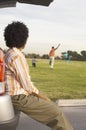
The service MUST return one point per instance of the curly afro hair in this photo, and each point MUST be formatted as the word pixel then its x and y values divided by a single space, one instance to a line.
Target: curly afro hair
pixel 16 34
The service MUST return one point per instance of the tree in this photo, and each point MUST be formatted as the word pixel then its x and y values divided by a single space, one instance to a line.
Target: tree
pixel 45 56
pixel 83 53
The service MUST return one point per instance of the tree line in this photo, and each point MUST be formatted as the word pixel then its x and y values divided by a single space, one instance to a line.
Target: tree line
pixel 72 55
pixel 68 55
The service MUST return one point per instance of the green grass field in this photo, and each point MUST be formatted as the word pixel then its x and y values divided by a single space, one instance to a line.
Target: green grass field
pixel 66 81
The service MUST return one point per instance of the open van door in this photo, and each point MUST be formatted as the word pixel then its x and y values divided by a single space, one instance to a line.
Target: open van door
pixel 12 3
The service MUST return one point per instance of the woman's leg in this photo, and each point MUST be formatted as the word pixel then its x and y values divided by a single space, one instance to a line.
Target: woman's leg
pixel 45 112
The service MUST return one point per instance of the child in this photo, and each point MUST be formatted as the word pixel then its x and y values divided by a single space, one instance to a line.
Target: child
pixel 25 96
pixel 34 61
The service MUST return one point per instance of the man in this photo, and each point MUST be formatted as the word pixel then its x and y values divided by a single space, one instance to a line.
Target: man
pixel 52 56
pixel 25 96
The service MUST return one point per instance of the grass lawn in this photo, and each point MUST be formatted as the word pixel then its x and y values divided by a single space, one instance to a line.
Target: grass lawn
pixel 66 81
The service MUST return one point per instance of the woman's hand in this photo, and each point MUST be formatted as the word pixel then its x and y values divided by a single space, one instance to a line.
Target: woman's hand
pixel 41 96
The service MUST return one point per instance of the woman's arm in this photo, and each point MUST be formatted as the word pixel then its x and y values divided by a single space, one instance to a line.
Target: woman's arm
pixel 21 72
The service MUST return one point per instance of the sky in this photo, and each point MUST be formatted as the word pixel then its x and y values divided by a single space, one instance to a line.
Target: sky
pixel 63 21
